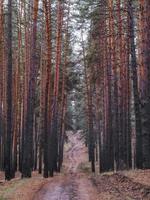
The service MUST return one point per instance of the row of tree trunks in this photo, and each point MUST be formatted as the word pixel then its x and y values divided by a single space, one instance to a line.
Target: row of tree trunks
pixel 33 102
pixel 118 70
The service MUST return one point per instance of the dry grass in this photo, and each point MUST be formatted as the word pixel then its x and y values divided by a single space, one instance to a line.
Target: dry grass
pixel 21 189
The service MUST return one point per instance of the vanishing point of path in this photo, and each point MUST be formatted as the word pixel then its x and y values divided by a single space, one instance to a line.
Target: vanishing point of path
pixel 73 185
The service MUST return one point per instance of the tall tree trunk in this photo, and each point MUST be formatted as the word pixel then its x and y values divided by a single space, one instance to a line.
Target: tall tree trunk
pixel 139 156
pixel 28 136
pixel 8 147
pixel 1 84
pixel 64 93
pixel 145 98
pixel 54 137
pixel 47 106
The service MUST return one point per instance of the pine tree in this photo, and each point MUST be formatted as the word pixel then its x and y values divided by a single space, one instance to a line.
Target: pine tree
pixel 8 146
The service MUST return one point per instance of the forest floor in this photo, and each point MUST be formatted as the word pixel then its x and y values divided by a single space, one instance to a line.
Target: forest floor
pixel 77 183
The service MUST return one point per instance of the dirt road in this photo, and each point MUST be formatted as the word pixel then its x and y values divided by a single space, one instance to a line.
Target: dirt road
pixel 73 185
pixel 76 185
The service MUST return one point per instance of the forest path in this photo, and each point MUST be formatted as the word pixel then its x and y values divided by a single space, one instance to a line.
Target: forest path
pixel 76 182
pixel 73 185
